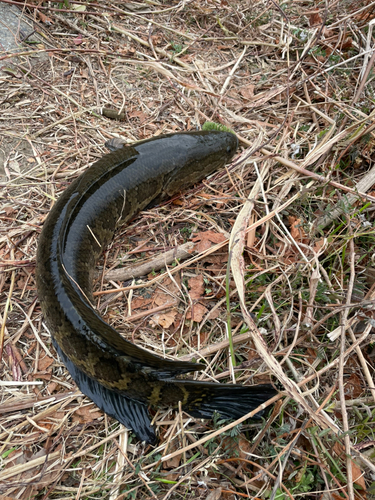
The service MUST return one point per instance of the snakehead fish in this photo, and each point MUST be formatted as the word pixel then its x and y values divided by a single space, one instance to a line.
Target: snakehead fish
pixel 120 377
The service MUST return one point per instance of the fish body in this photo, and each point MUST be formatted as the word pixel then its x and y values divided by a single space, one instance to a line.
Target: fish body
pixel 120 377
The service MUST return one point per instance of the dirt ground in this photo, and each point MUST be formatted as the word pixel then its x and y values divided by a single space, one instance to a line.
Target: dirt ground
pixel 286 232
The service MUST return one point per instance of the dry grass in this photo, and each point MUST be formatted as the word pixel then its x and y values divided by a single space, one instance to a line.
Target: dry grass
pixel 297 86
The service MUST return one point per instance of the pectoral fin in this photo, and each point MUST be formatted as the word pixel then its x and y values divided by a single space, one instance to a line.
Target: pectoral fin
pixel 132 414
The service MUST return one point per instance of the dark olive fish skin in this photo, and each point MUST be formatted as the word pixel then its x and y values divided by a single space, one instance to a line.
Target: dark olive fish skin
pixel 121 378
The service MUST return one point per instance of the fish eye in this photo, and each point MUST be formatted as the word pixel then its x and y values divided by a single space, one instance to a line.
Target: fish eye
pixel 229 149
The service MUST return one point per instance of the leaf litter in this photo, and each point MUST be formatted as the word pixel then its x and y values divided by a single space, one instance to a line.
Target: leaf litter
pixel 293 216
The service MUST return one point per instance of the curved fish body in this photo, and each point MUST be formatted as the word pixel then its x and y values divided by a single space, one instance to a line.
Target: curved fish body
pixel 121 378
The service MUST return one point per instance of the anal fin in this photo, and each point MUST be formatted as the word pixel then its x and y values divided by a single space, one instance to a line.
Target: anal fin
pixel 133 414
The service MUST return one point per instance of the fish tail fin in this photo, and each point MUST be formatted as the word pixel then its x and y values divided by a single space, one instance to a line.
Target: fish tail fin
pixel 230 401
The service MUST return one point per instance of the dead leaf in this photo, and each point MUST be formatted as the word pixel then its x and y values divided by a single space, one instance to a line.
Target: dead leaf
pixel 357 474
pixel 51 387
pixel 52 420
pixel 9 211
pixel 178 202
pixel 172 476
pixel 162 298
pixel 218 258
pixel 137 114
pixel 207 239
pixel 173 462
pixel 21 283
pixel 14 165
pixel 319 245
pixel 311 355
pixel 187 58
pixel 78 40
pixel 126 51
pixel 44 363
pixel 356 471
pixel 247 92
pixel 214 313
pixel 87 414
pixel 140 303
pixel 236 446
pixel 44 19
pixel 260 100
pixel 296 230
pixel 327 33
pixel 353 387
pixel 165 320
pixel 157 39
pixel 204 338
pixel 79 8
pixel 315 19
pixel 348 44
pixel 196 286
pixel 197 312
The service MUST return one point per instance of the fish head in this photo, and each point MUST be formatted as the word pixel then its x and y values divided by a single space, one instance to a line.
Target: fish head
pixel 198 155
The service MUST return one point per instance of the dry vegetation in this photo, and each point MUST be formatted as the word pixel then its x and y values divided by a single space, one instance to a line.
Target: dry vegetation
pixel 296 83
